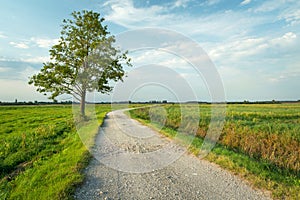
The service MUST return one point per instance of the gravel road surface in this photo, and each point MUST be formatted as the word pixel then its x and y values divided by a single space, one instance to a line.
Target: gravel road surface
pixel 131 161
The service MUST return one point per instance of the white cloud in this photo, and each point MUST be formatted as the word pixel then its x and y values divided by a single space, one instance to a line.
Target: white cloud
pixel 2 35
pixel 125 14
pixel 28 58
pixel 285 40
pixel 39 42
pixel 4 69
pixel 38 59
pixel 158 57
pixel 20 45
pixel 258 64
pixel 181 3
pixel 272 5
pixel 291 16
pixel 239 49
pixel 211 2
pixel 287 10
pixel 245 2
pixel 269 6
pixel 175 63
pixel 27 72
pixel 276 79
pixel 289 72
pixel 212 25
pixel 175 52
pixel 7 59
pixel 44 42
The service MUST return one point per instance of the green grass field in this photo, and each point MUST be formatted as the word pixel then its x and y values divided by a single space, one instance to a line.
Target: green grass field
pixel 259 142
pixel 41 154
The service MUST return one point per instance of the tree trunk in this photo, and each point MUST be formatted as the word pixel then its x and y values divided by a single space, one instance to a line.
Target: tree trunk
pixel 82 104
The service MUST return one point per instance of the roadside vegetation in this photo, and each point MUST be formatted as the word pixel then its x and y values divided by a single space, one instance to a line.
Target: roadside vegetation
pixel 41 154
pixel 259 142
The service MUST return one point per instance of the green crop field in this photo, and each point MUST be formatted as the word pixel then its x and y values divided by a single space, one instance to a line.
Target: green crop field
pixel 41 154
pixel 259 142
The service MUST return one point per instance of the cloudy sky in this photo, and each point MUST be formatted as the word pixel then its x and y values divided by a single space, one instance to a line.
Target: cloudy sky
pixel 254 45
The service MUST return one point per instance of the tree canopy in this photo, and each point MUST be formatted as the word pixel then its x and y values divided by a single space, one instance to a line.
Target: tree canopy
pixel 84 60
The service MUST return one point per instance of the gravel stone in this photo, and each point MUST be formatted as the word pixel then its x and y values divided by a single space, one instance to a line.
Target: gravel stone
pixel 188 177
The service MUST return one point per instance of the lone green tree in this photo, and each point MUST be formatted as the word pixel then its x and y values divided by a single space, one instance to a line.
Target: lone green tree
pixel 84 60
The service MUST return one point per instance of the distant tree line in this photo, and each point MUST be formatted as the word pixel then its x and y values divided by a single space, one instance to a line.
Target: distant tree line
pixel 140 102
pixel 34 103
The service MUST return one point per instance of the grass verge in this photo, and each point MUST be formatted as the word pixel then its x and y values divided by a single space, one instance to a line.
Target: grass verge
pixel 43 155
pixel 261 174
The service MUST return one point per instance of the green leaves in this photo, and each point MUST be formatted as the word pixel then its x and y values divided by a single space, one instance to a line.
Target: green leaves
pixel 83 60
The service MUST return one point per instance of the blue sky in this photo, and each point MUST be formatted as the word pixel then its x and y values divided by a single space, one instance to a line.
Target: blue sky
pixel 253 44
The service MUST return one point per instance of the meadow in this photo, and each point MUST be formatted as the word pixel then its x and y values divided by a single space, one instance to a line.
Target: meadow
pixel 41 154
pixel 260 142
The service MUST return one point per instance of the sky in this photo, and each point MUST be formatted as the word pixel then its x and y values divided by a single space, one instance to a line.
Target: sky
pixel 253 45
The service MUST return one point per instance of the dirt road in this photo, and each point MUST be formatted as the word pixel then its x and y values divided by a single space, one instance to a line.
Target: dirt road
pixel 134 162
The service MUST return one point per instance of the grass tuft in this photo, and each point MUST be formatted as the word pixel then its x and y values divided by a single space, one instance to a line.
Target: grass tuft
pixel 43 155
pixel 259 142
